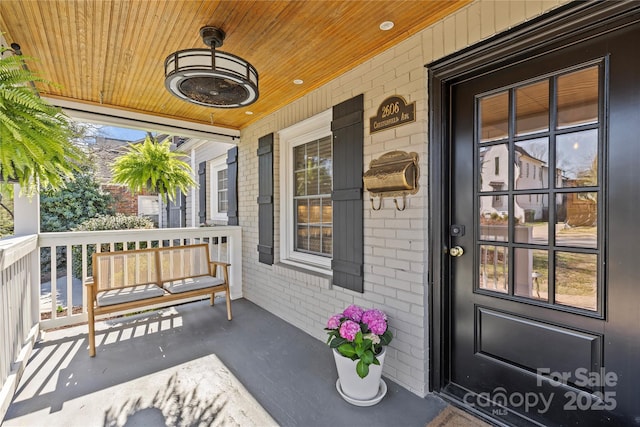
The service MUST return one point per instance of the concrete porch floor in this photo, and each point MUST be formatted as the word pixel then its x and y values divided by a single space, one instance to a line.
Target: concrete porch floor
pixel 289 373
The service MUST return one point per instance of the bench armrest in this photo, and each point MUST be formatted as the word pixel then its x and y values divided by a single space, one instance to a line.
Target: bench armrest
pixel 220 263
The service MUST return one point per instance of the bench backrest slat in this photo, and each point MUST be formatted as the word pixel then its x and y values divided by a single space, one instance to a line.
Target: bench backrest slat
pixel 180 262
pixel 114 270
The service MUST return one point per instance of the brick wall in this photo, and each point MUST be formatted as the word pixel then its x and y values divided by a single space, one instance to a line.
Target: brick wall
pixel 125 202
pixel 396 243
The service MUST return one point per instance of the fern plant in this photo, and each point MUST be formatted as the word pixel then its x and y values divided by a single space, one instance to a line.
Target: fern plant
pixel 35 137
pixel 153 166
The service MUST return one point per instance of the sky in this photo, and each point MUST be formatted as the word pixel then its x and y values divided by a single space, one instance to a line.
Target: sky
pixel 122 133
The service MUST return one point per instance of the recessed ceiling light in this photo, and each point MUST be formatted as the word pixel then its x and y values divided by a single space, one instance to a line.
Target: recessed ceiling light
pixel 298 81
pixel 386 25
pixel 248 113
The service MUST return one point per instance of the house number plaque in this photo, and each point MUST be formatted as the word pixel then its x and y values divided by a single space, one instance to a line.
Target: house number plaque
pixel 393 112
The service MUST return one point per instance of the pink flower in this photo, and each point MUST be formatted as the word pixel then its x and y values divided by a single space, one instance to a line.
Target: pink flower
pixel 372 315
pixel 334 321
pixel 353 312
pixel 376 320
pixel 349 329
pixel 378 326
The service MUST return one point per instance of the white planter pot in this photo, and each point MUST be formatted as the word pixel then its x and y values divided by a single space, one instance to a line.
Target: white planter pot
pixel 359 389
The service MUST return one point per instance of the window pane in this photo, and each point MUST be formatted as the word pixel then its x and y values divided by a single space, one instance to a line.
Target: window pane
pixel 533 155
pixel 576 280
pixel 532 219
pixel 494 268
pixel 299 156
pixel 577 220
pixel 326 166
pixel 302 211
pixel 300 184
pixel 532 108
pixel 531 268
pixel 578 98
pixel 314 214
pixel 494 167
pixel 494 117
pixel 577 158
pixel 494 218
pixel 327 240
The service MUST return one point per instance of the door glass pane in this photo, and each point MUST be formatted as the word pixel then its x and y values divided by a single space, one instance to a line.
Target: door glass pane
pixel 531 167
pixel 494 268
pixel 494 220
pixel 576 280
pixel 577 159
pixel 532 219
pixel 494 117
pixel 577 223
pixel 578 98
pixel 532 108
pixel 494 167
pixel 531 273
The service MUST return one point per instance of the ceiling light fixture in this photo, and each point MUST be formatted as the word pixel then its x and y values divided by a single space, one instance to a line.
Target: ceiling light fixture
pixel 209 77
pixel 298 81
pixel 386 25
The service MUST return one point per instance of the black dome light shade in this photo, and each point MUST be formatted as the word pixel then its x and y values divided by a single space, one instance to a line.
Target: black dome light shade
pixel 209 77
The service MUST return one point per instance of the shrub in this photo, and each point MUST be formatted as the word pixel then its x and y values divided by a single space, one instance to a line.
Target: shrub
pixel 115 222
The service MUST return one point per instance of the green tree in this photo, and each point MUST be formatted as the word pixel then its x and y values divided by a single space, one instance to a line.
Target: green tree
pixel 153 166
pixel 35 137
pixel 82 199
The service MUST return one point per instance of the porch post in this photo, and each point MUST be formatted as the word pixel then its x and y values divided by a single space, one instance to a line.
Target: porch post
pixel 26 214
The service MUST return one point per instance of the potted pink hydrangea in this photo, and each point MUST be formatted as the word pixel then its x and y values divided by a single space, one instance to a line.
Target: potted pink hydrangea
pixel 358 337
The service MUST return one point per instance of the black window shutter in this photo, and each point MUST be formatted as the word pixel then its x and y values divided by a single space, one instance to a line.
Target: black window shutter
pixel 202 196
pixel 265 199
pixel 348 232
pixel 232 188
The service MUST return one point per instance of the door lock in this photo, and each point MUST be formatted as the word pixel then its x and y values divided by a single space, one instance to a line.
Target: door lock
pixel 456 251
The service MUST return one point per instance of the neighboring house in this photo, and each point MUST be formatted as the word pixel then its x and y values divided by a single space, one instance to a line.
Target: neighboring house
pixel 143 203
pixel 530 173
pixel 208 203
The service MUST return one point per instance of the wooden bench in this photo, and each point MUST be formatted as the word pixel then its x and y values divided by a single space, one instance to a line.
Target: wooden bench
pixel 125 280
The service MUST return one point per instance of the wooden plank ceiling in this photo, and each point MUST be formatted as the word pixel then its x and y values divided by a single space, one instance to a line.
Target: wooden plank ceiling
pixel 112 52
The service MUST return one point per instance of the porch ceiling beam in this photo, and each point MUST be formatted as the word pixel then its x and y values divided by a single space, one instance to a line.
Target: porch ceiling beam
pixel 123 118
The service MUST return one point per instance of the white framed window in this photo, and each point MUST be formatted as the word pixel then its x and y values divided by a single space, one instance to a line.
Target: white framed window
pixel 149 206
pixel 306 182
pixel 219 189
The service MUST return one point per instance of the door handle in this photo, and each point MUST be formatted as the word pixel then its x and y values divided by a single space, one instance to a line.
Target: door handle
pixel 456 251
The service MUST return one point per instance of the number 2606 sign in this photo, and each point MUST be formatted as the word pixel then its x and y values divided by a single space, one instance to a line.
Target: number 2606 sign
pixel 393 112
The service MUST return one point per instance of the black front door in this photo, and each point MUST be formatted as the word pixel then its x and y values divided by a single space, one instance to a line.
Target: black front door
pixel 544 236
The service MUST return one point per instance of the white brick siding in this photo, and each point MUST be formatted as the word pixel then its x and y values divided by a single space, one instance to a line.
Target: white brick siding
pixel 395 270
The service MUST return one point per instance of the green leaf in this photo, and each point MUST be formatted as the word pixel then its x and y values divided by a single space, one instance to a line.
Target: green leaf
pixel 376 361
pixel 386 338
pixel 358 339
pixel 337 342
pixel 362 369
pixel 367 357
pixel 347 350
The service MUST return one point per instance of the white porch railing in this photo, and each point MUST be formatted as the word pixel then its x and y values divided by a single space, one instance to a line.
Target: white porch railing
pixel 18 311
pixel 63 296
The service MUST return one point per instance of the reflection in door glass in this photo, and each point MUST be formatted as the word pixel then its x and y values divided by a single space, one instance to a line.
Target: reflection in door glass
pixel 494 268
pixel 578 98
pixel 531 273
pixel 577 220
pixel 494 117
pixel 494 219
pixel 576 280
pixel 494 167
pixel 532 164
pixel 532 108
pixel 577 158
pixel 531 225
